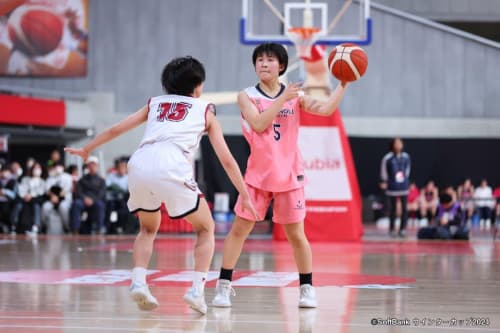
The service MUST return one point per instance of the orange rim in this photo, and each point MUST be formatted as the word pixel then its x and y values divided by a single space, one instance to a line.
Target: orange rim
pixel 304 32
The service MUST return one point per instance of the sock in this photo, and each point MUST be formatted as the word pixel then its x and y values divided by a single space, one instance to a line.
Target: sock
pixel 226 274
pixel 199 280
pixel 139 275
pixel 306 278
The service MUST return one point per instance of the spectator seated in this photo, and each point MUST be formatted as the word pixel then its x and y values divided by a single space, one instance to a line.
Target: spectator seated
pixel 450 221
pixel 88 209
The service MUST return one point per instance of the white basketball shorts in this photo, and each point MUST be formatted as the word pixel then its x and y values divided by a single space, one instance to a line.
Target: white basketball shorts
pixel 161 173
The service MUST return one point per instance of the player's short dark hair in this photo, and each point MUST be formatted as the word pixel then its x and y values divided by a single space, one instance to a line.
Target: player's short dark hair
pixel 272 49
pixel 182 75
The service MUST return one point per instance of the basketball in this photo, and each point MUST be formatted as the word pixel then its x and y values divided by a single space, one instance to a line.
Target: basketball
pixel 347 62
pixel 35 30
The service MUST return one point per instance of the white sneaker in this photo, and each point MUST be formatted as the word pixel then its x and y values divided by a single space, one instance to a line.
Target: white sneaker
pixel 307 297
pixel 223 292
pixel 33 232
pixel 196 300
pixel 141 295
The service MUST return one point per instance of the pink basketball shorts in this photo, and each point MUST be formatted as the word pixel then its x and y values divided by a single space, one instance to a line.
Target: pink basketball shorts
pixel 288 207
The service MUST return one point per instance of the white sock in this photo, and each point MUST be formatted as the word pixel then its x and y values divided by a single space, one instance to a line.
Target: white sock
pixel 199 280
pixel 139 275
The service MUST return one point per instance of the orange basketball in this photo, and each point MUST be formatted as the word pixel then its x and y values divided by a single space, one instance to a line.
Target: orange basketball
pixel 35 30
pixel 347 62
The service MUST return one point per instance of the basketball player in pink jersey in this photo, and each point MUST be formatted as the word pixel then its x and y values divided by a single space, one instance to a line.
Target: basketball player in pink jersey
pixel 270 121
pixel 161 171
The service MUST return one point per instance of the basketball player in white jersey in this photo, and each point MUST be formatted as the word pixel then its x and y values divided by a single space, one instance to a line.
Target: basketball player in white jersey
pixel 161 171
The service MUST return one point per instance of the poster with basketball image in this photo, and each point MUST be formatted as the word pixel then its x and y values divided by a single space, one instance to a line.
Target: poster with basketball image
pixel 46 38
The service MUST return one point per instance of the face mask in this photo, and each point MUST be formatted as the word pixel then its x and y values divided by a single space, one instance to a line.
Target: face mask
pixel 19 172
pixel 30 164
pixel 52 173
pixel 445 198
pixel 59 170
pixel 37 172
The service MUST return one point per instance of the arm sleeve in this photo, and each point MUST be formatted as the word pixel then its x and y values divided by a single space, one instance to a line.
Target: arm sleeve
pixel 408 167
pixel 383 169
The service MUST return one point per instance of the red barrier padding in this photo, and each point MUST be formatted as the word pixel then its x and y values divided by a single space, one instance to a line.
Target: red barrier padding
pixel 171 226
pixel 17 110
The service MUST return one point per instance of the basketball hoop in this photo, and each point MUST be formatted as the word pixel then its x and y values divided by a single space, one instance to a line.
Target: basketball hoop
pixel 304 38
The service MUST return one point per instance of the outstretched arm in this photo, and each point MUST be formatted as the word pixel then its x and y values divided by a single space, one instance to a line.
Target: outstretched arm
pixel 228 162
pixel 260 121
pixel 112 132
pixel 324 108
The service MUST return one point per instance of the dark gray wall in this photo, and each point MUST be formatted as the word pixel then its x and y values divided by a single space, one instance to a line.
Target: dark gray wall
pixel 453 10
pixel 416 68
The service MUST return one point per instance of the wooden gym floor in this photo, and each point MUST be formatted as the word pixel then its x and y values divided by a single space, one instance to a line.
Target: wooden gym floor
pixel 80 284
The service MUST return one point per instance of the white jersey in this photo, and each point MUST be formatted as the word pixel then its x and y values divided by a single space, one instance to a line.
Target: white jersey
pixel 161 169
pixel 177 120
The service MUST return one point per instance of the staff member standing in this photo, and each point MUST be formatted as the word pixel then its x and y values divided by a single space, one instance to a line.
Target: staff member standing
pixel 395 180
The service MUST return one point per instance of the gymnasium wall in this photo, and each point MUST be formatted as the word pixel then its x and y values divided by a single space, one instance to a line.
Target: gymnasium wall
pixel 417 69
pixel 421 69
pixel 449 10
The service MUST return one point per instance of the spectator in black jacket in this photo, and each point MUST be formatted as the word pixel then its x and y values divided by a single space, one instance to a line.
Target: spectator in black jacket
pixel 8 195
pixel 90 196
pixel 395 180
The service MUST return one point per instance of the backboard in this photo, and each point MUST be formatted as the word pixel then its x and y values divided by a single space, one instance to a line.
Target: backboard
pixel 338 21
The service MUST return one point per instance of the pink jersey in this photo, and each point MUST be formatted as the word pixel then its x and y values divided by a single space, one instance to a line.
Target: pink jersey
pixel 275 163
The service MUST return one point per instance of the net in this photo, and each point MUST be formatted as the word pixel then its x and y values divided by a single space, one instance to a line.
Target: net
pixel 304 38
